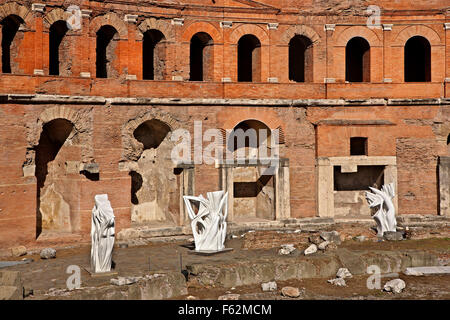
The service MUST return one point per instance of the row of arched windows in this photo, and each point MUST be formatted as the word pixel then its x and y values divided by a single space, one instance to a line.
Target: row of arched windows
pixel 417 55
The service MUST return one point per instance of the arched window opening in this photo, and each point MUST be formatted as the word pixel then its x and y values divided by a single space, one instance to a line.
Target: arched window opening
pixel 154 55
pixel 151 133
pixel 105 51
pixel 48 216
pixel 10 27
pixel 357 60
pixel 201 57
pixel 57 32
pixel 300 59
pixel 249 59
pixel 417 60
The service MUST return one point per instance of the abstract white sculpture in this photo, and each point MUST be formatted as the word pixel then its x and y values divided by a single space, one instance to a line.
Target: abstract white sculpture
pixel 209 223
pixel 102 234
pixel 385 216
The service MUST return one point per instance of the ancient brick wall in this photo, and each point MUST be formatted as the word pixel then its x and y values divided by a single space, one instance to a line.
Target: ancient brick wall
pixel 317 117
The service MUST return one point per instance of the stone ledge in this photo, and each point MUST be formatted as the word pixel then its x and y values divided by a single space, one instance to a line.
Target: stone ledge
pixel 63 99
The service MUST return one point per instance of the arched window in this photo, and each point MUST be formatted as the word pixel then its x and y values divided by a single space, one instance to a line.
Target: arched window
pixel 357 60
pixel 201 57
pixel 417 60
pixel 105 51
pixel 153 55
pixel 57 32
pixel 300 59
pixel 249 59
pixel 10 27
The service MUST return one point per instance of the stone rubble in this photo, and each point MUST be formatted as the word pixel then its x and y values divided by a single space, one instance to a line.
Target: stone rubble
pixel 395 286
pixel 290 292
pixel 286 249
pixel 331 236
pixel 48 253
pixel 269 286
pixel 311 249
pixel 322 246
pixel 343 273
pixel 340 282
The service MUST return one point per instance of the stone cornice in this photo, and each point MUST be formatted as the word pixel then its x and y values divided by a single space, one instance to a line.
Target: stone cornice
pixel 97 100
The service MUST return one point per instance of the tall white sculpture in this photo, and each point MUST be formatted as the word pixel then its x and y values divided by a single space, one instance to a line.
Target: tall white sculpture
pixel 102 234
pixel 385 216
pixel 209 223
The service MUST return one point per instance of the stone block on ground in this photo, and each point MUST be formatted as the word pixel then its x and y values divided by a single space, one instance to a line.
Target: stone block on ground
pixel 10 278
pixel 393 235
pixel 331 236
pixel 395 286
pixel 311 249
pixel 269 286
pixel 48 253
pixel 18 251
pixel 343 273
pixel 290 292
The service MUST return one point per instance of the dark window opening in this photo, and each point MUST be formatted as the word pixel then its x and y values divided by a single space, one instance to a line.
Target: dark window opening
pixel 105 51
pixel 248 136
pixel 417 60
pixel 201 55
pixel 154 55
pixel 357 60
pixel 249 59
pixel 358 146
pixel 10 26
pixel 151 133
pixel 367 176
pixel 300 59
pixel 57 32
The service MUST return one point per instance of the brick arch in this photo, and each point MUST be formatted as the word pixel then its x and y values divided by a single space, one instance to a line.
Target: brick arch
pixel 55 15
pixel 252 29
pixel 206 27
pixel 418 30
pixel 158 24
pixel 301 30
pixel 13 8
pixel 111 19
pixel 132 149
pixel 357 31
pixel 268 117
pixel 82 120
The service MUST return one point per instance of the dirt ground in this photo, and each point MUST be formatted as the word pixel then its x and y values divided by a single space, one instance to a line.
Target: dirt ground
pixel 42 275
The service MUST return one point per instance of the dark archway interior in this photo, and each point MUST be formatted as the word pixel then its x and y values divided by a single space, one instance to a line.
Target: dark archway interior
pixel 255 125
pixel 104 51
pixel 153 53
pixel 300 59
pixel 249 59
pixel 10 26
pixel 357 60
pixel 151 133
pixel 201 57
pixel 417 60
pixel 57 32
pixel 53 136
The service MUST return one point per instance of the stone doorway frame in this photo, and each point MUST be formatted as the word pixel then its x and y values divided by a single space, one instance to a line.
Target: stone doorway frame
pixel 281 183
pixel 325 177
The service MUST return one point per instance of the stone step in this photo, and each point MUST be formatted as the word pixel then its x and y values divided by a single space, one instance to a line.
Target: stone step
pixel 413 271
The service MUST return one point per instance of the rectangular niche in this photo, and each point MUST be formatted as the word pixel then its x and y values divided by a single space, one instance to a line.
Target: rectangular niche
pixel 343 181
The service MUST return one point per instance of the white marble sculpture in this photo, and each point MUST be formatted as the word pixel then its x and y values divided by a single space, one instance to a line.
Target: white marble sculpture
pixel 209 223
pixel 385 216
pixel 102 234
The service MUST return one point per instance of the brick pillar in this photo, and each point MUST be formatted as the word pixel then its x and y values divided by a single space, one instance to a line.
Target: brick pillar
pixel 85 46
pixel 447 53
pixel 330 76
pixel 387 56
pixel 38 11
pixel 444 186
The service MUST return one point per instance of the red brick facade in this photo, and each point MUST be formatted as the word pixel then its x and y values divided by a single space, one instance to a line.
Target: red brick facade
pixel 406 120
